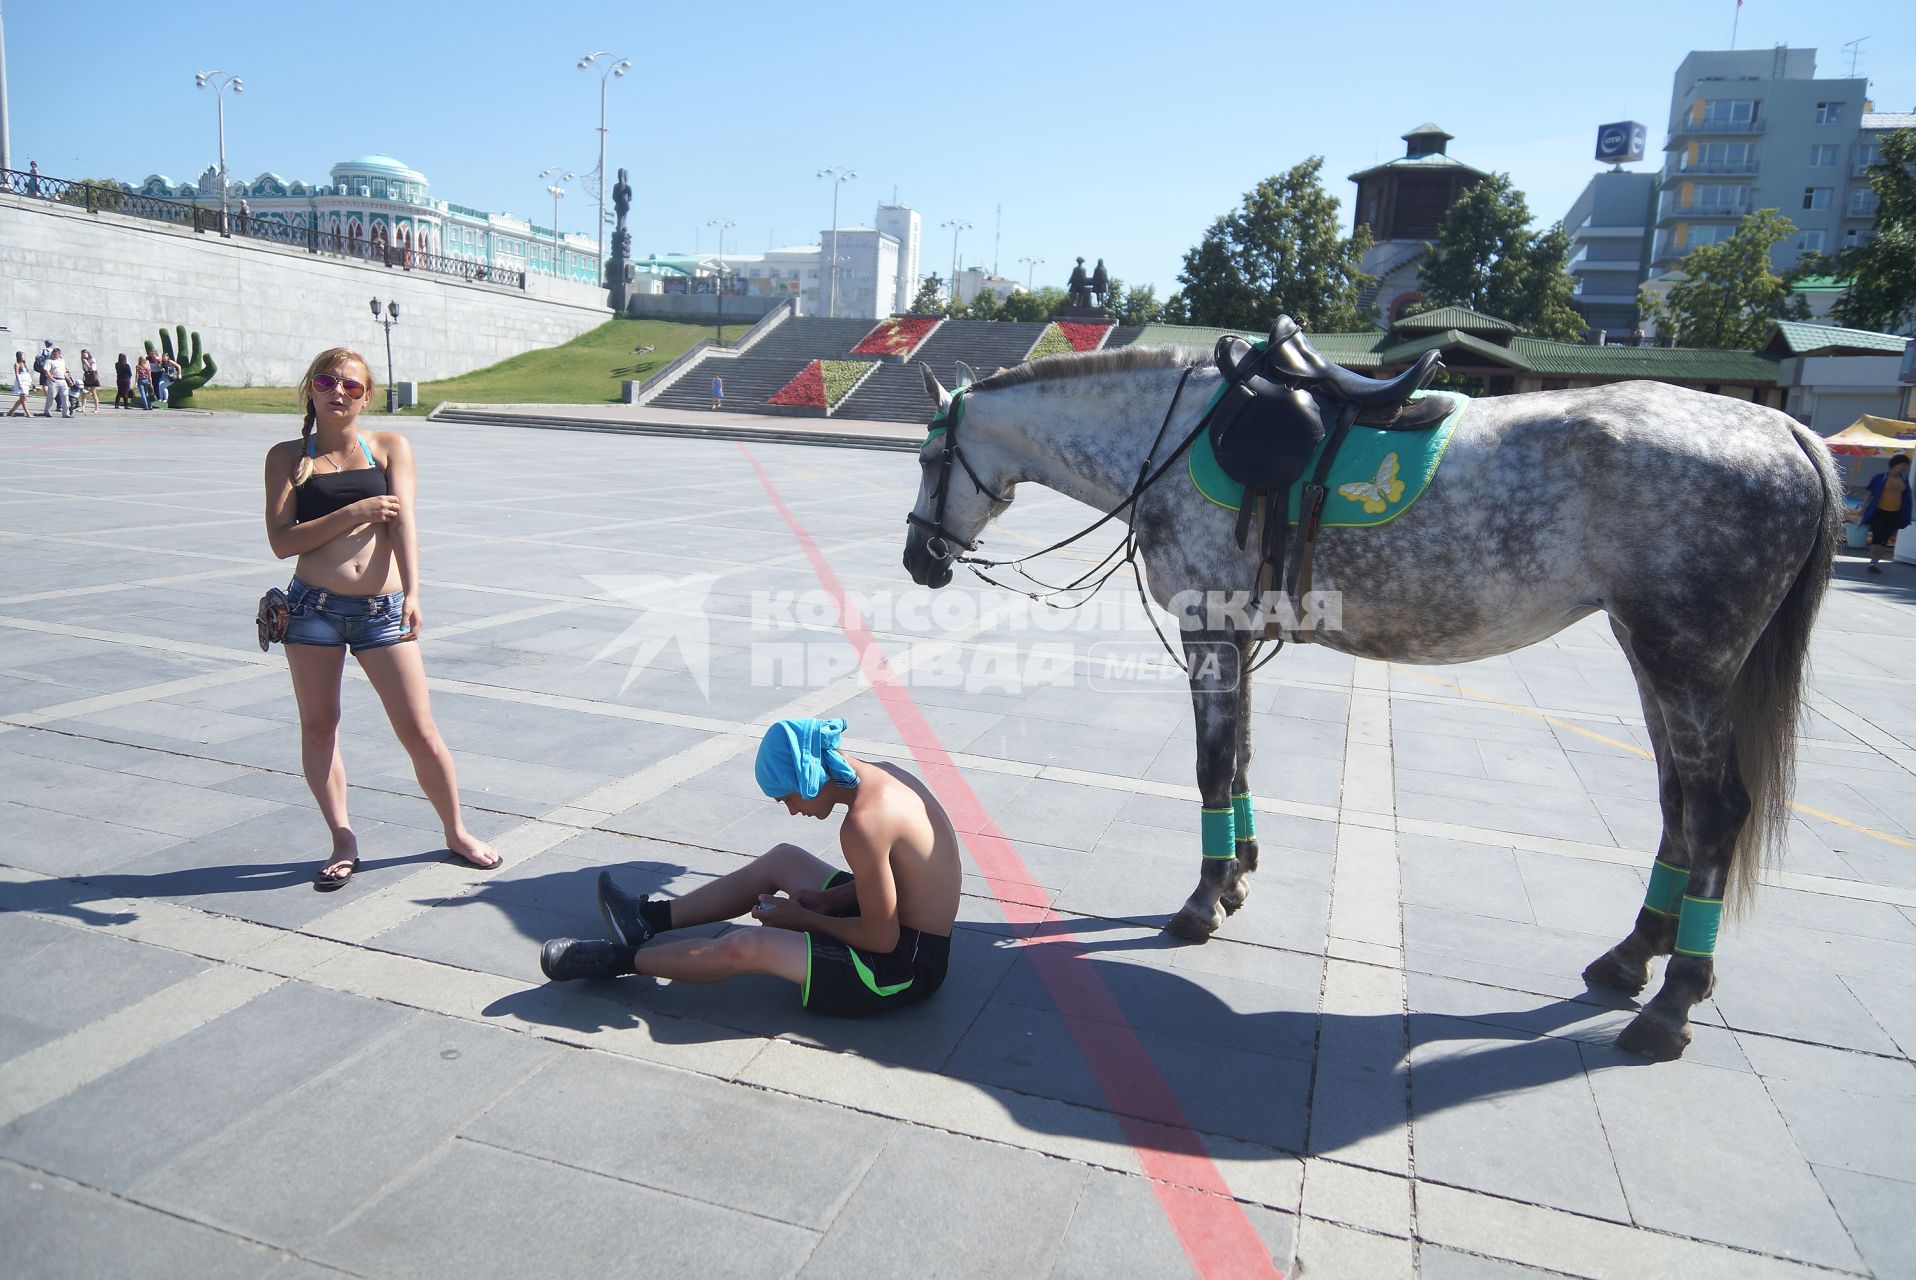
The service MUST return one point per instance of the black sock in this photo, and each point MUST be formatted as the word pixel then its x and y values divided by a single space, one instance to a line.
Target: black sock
pixel 657 914
pixel 622 958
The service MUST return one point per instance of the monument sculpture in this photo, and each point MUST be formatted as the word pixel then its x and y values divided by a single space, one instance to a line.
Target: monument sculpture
pixel 616 270
pixel 1082 288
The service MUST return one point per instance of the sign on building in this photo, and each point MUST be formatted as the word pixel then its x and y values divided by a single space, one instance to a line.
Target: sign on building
pixel 1622 142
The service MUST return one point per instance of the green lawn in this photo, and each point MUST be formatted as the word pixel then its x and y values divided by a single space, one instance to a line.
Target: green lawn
pixel 586 370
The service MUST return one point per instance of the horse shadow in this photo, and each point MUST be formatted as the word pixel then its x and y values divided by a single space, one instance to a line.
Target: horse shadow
pixel 1282 1077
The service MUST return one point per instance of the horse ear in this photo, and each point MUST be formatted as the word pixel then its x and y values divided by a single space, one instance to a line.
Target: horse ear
pixel 934 388
pixel 966 376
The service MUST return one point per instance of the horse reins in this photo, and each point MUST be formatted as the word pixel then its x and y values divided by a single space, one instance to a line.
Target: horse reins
pixel 1126 552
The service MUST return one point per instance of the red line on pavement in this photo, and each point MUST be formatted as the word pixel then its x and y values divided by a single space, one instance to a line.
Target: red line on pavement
pixel 1209 1221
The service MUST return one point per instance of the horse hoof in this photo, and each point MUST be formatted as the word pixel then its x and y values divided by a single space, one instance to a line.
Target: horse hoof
pixel 1653 1038
pixel 1234 897
pixel 1191 926
pixel 1608 972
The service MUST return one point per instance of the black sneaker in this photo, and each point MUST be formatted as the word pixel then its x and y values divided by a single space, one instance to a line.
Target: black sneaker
pixel 564 959
pixel 621 912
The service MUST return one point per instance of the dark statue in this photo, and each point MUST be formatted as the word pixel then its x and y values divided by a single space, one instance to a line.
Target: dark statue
pixel 621 245
pixel 1082 287
pixel 1079 286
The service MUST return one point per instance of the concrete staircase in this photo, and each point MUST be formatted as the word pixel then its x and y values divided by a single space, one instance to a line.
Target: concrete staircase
pixel 749 380
pixel 894 393
pixel 984 345
pixel 1122 336
pixel 812 339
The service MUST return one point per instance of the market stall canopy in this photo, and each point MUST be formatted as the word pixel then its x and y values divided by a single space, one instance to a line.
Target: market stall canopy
pixel 1871 434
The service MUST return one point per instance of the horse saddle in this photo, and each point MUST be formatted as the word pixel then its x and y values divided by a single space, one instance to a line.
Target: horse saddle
pixel 1281 400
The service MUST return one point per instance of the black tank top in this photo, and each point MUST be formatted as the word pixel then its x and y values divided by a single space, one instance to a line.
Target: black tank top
pixel 322 495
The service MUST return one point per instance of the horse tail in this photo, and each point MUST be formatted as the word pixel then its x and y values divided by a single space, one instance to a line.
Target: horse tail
pixel 1768 696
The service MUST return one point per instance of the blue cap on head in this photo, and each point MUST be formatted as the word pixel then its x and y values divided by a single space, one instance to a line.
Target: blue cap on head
pixel 800 756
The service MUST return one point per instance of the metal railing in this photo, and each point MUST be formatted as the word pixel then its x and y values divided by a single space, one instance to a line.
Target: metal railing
pixel 1704 209
pixel 96 197
pixel 1718 126
pixel 1717 166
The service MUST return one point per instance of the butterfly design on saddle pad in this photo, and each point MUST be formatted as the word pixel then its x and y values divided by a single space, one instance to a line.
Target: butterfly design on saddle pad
pixel 1377 493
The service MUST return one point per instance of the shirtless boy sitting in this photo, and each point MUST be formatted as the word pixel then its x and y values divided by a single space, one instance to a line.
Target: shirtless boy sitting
pixel 856 944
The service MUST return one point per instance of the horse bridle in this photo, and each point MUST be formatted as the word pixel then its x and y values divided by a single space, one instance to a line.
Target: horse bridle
pixel 944 544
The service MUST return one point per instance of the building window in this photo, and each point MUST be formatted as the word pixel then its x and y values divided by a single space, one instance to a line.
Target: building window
pixel 1816 197
pixel 1811 241
pixel 1823 155
pixel 1724 157
pixel 1829 113
pixel 1725 111
pixel 1869 151
pixel 1863 203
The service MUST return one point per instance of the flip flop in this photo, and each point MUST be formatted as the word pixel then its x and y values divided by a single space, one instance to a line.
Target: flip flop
pixel 325 883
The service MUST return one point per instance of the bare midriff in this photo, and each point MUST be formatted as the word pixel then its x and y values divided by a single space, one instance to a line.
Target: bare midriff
pixel 359 562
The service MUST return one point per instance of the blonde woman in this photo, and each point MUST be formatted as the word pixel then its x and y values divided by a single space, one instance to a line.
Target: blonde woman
pixel 340 498
pixel 21 381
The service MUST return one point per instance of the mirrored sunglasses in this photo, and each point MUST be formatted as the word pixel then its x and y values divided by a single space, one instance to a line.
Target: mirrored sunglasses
pixel 325 382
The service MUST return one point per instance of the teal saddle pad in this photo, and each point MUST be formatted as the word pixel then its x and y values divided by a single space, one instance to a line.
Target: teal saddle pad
pixel 1377 476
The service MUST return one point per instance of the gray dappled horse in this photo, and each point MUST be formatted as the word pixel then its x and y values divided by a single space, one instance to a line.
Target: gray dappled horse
pixel 1704 527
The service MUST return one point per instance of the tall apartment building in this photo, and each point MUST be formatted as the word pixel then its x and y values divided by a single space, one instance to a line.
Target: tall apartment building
pixel 1756 129
pixel 1610 229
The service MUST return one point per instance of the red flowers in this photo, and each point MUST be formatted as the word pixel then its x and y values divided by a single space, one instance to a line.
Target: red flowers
pixel 822 383
pixel 897 336
pixel 1083 337
pixel 808 388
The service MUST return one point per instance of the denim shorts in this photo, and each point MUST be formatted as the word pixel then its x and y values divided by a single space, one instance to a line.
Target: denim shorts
pixel 320 617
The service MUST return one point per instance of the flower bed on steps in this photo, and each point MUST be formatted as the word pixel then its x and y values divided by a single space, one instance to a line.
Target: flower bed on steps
pixel 898 336
pixel 1063 335
pixel 821 384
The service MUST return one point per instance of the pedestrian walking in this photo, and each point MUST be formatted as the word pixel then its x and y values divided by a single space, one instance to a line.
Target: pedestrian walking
pixel 58 392
pixel 89 381
pixel 143 379
pixel 122 383
pixel 22 372
pixel 718 391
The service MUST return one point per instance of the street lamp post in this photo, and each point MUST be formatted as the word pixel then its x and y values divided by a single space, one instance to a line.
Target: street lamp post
pixel 613 67
pixel 956 225
pixel 1031 269
pixel 387 321
pixel 557 192
pixel 839 176
pixel 220 82
pixel 722 224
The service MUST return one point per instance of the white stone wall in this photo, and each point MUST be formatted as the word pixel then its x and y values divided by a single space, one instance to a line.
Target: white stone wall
pixel 106 282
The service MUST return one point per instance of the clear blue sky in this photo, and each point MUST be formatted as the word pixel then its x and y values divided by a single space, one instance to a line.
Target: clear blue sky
pixel 1114 129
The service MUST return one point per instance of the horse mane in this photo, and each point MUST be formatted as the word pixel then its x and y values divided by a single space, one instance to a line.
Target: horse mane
pixel 1083 364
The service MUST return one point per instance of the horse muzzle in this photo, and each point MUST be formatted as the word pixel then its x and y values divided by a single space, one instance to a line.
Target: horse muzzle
pixel 929 558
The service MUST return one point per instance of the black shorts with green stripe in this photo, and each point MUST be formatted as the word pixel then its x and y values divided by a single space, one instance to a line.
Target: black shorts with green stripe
pixel 849 982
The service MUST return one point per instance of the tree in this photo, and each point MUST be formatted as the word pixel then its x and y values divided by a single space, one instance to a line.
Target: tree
pixel 1029 307
pixel 1729 296
pixel 1137 305
pixel 109 194
pixel 1278 252
pixel 927 302
pixel 1487 258
pixel 985 306
pixel 1882 270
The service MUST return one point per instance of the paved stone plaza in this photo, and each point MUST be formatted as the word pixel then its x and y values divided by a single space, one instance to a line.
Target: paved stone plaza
pixel 1385 1065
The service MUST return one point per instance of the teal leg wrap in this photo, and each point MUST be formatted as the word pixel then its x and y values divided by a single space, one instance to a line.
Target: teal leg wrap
pixel 1696 926
pixel 1241 815
pixel 1665 895
pixel 1220 834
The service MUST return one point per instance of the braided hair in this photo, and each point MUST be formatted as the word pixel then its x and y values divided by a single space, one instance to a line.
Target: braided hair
pixel 327 361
